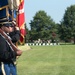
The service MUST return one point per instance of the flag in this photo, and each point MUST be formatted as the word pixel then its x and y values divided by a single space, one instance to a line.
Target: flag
pixel 21 21
pixel 8 10
pixel 3 6
pixel 13 4
pixel 5 12
pixel 3 3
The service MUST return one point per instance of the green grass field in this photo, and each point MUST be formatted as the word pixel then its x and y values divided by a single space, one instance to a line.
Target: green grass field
pixel 47 60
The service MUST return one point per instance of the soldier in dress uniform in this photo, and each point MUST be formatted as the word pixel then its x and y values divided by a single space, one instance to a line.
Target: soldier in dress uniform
pixel 14 33
pixel 7 56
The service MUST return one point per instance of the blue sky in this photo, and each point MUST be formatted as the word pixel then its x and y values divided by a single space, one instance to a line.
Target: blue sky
pixel 53 8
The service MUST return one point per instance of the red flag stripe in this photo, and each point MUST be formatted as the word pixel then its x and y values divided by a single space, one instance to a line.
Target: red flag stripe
pixel 21 21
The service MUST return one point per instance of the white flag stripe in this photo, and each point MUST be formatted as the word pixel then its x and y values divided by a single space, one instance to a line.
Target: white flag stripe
pixel 14 3
pixel 21 11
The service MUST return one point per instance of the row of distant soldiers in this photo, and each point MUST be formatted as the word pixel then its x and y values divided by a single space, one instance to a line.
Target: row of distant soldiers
pixel 42 41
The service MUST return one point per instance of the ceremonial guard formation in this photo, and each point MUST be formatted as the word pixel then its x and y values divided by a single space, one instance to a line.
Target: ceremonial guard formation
pixel 9 35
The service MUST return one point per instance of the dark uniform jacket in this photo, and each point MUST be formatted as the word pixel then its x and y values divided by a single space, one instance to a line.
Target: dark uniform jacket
pixel 15 36
pixel 6 53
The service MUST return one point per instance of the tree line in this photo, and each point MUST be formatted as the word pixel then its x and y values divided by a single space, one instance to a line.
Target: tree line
pixel 43 27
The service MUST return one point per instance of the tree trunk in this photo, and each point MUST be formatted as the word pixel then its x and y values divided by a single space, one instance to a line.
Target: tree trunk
pixel 74 39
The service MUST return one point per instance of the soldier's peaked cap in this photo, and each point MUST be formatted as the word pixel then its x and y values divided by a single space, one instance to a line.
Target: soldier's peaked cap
pixel 6 24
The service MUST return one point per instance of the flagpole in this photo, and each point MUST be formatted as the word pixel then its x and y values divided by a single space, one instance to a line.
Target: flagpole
pixel 12 9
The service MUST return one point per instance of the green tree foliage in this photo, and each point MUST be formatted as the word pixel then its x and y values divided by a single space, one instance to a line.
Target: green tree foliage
pixel 27 37
pixel 42 26
pixel 67 27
